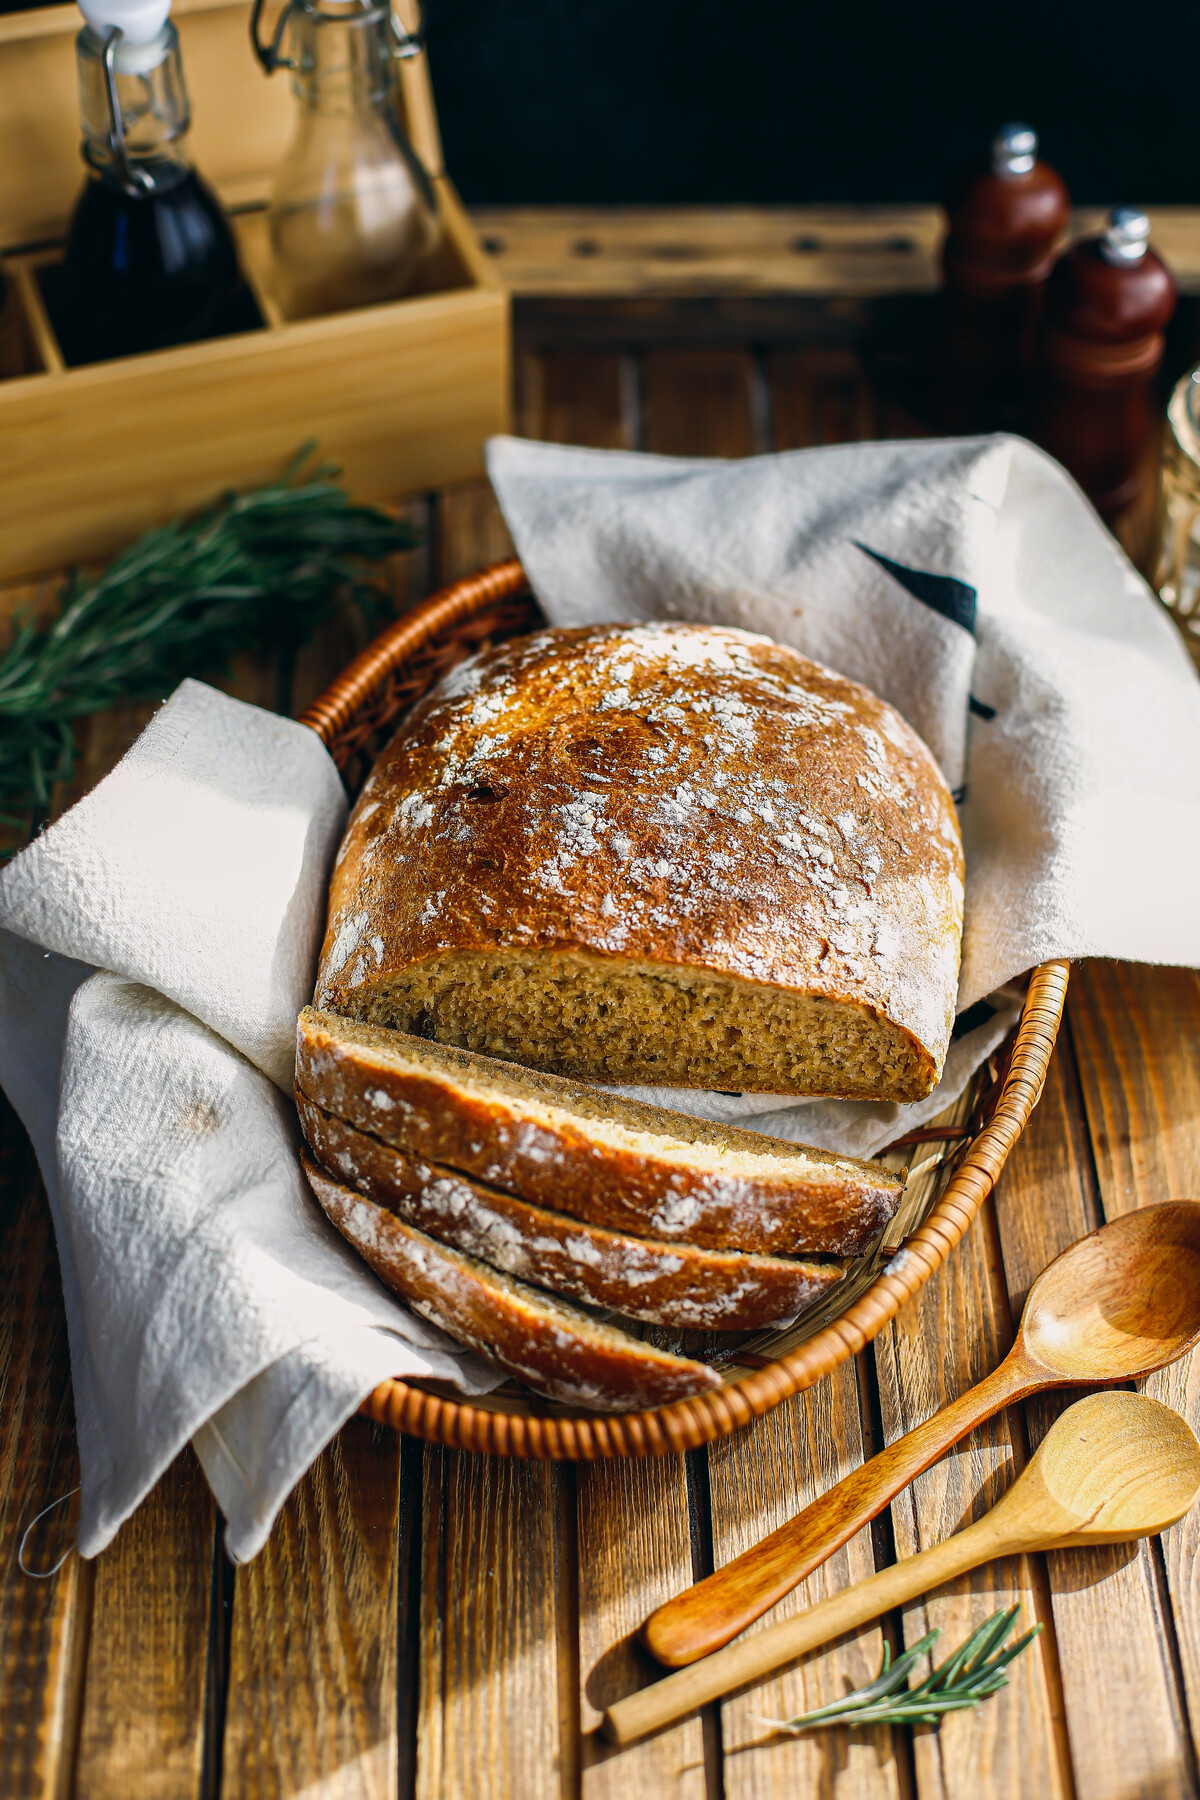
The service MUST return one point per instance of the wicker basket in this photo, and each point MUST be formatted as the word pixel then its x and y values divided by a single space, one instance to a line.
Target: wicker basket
pixel 400 666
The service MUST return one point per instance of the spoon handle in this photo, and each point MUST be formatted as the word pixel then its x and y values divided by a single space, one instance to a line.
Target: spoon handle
pixel 705 1616
pixel 681 1693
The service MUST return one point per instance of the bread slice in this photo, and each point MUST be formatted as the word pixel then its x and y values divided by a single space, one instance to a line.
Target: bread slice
pixel 553 1347
pixel 664 1284
pixel 577 1150
pixel 665 853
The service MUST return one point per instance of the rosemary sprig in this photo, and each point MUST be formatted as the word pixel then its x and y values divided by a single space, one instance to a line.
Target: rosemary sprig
pixel 974 1671
pixel 256 569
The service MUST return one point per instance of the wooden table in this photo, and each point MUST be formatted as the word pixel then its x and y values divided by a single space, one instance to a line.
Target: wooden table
pixel 432 1623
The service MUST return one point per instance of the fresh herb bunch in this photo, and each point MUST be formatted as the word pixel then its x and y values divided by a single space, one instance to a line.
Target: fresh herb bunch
pixel 256 569
pixel 961 1682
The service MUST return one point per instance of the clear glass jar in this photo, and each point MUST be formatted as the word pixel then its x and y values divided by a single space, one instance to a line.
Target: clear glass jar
pixel 1176 572
pixel 353 214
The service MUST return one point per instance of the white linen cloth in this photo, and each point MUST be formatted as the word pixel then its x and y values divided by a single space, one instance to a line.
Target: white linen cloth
pixel 156 946
pixel 969 583
pixel 157 942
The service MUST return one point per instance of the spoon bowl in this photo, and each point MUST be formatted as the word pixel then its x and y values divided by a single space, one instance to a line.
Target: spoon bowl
pixel 1122 1302
pixel 1119 1465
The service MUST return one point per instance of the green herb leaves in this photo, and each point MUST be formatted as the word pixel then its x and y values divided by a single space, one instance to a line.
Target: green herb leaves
pixel 256 569
pixel 961 1682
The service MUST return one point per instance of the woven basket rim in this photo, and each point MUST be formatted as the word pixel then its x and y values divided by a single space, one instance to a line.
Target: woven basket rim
pixel 367 694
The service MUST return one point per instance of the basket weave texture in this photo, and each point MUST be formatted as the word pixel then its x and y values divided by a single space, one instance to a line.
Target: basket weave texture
pixel 381 684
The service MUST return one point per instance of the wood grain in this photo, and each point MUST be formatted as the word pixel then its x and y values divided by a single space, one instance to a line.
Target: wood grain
pixel 1136 1030
pixel 43 1624
pixel 818 397
pixel 758 1479
pixel 949 1336
pixel 151 1603
pixel 579 397
pixel 681 252
pixel 469 532
pixel 702 403
pixel 312 1695
pixel 1045 1200
pixel 634 1550
pixel 493 1587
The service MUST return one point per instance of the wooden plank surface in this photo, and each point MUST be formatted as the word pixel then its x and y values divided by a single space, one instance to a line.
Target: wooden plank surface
pixel 1137 1033
pixel 758 1479
pixel 151 1612
pixel 312 1696
pixel 494 1688
pixel 43 1623
pixel 634 1552
pixel 1046 1200
pixel 950 1335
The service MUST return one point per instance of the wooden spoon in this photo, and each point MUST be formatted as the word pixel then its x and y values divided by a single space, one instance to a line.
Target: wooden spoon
pixel 1115 1306
pixel 1116 1466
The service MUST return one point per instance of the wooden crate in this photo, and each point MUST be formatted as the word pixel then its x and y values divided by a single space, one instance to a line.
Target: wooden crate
pixel 401 395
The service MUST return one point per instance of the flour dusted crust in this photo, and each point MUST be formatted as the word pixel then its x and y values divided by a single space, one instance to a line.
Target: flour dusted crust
pixel 578 1150
pixel 661 853
pixel 555 1348
pixel 663 1284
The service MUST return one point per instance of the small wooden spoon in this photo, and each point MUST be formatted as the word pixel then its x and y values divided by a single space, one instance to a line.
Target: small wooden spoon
pixel 1115 1306
pixel 1116 1466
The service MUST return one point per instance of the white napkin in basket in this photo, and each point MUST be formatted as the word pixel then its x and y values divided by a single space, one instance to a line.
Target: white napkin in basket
pixel 969 582
pixel 206 1295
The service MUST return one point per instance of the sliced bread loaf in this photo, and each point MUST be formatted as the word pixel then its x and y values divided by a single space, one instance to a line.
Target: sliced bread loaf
pixel 553 1347
pixel 577 1150
pixel 663 853
pixel 664 1284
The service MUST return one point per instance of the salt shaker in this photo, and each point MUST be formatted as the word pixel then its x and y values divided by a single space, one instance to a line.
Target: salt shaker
pixel 1108 304
pixel 1005 223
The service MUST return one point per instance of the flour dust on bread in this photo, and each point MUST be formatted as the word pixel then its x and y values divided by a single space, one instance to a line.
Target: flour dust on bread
pixel 553 1347
pixel 659 1283
pixel 670 854
pixel 575 1149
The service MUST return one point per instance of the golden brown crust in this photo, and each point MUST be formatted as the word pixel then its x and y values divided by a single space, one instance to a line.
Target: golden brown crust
pixel 536 1136
pixel 554 1348
pixel 676 795
pixel 664 1284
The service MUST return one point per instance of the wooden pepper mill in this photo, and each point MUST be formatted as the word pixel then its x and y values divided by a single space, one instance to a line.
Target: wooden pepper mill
pixel 1108 304
pixel 1005 224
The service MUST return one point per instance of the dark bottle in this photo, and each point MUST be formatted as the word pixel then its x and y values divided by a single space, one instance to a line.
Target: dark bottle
pixel 1005 222
pixel 1109 301
pixel 150 259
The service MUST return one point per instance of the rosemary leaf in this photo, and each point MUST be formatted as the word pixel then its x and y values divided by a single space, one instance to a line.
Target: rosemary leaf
pixel 971 1674
pixel 255 570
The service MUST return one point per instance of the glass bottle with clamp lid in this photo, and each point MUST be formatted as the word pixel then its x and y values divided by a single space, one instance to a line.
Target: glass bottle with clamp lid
pixel 353 214
pixel 150 260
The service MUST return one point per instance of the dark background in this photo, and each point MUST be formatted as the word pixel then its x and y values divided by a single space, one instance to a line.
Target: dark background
pixel 603 101
pixel 658 100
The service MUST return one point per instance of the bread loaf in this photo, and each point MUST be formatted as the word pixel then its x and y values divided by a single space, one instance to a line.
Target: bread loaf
pixel 577 1150
pixel 664 1284
pixel 554 1348
pixel 665 853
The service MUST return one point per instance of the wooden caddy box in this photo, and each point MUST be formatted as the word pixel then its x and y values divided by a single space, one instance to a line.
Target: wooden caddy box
pixel 401 395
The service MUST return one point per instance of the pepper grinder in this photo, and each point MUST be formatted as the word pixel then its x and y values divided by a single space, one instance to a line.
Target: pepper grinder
pixel 1108 304
pixel 1005 223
